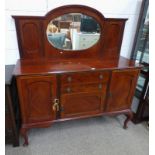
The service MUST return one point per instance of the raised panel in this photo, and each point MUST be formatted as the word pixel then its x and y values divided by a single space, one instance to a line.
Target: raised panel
pixel 112 42
pixel 29 38
pixel 36 98
pixel 121 89
pixel 113 37
pixel 30 41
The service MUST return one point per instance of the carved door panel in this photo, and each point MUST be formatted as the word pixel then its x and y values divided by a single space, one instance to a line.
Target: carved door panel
pixel 121 91
pixel 81 104
pixel 36 95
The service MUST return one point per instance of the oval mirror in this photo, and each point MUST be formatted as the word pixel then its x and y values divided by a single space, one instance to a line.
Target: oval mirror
pixel 73 31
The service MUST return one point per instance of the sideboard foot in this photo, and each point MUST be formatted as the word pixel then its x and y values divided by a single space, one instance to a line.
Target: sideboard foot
pixel 23 132
pixel 129 118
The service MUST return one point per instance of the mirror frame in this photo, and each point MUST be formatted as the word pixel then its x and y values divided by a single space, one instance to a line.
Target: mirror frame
pixel 58 53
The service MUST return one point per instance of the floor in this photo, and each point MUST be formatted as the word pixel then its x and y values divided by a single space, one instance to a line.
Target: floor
pixel 93 136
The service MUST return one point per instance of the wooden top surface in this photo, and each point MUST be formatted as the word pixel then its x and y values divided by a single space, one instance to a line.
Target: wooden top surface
pixel 49 66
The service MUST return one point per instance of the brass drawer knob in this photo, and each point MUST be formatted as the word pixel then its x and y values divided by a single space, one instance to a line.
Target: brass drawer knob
pixel 68 90
pixel 69 79
pixel 100 86
pixel 101 76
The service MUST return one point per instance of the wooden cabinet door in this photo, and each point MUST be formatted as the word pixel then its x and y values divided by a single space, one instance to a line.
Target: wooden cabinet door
pixel 82 104
pixel 36 95
pixel 121 91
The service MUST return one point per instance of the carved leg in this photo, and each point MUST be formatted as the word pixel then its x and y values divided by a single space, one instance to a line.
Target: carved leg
pixel 23 132
pixel 129 118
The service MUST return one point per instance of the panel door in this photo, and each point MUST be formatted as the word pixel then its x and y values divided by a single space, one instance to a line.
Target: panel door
pixel 36 95
pixel 121 89
pixel 81 104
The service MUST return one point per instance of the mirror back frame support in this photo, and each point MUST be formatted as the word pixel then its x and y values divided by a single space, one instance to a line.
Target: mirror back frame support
pixel 33 42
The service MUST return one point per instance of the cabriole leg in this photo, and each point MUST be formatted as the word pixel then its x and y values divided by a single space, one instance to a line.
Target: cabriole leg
pixel 129 118
pixel 23 132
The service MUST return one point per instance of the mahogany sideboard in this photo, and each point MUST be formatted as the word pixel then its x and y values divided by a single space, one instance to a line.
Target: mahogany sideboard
pixel 59 85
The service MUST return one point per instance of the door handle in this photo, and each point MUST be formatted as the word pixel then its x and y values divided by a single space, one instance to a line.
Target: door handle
pixel 56 105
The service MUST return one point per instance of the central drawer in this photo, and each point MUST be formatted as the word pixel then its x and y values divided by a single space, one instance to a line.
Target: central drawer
pixel 84 77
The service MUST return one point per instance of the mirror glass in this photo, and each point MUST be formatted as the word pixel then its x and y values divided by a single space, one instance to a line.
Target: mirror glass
pixel 73 31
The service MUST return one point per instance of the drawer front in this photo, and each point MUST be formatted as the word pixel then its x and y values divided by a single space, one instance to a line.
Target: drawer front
pixel 85 77
pixel 75 88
